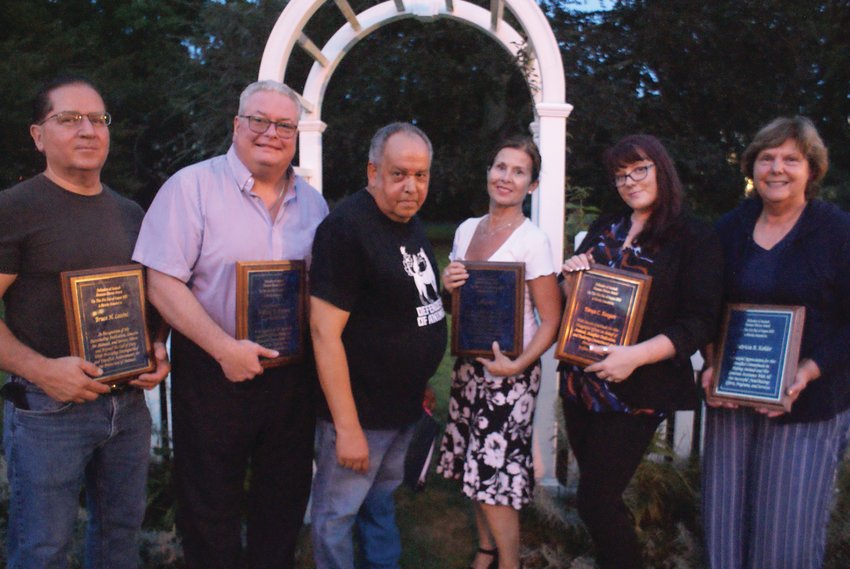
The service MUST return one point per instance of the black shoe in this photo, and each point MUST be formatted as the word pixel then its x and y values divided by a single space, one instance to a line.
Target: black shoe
pixel 494 553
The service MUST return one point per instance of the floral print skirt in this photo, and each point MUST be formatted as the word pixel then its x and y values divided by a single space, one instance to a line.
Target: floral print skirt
pixel 487 442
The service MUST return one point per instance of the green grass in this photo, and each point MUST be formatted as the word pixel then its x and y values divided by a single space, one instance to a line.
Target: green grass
pixel 441 382
pixel 441 234
pixel 436 528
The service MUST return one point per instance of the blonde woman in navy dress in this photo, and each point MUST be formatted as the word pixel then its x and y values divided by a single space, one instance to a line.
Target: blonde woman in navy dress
pixel 488 437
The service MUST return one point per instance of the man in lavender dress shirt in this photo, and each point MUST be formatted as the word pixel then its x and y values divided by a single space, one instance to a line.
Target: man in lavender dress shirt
pixel 247 205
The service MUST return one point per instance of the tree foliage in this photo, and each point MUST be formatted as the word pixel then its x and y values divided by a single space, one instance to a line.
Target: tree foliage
pixel 703 76
pixel 127 48
pixel 463 93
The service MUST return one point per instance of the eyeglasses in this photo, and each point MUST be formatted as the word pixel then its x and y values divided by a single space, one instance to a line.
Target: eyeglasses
pixel 260 125
pixel 73 118
pixel 638 174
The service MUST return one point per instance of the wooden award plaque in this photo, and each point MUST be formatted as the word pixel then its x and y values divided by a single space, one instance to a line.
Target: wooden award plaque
pixel 605 308
pixel 489 307
pixel 106 317
pixel 758 355
pixel 271 307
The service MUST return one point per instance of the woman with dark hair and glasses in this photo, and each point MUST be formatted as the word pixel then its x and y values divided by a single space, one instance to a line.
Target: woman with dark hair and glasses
pixel 488 436
pixel 768 477
pixel 613 407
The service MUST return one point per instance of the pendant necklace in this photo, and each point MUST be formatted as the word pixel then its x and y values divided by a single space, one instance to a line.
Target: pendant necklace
pixel 493 231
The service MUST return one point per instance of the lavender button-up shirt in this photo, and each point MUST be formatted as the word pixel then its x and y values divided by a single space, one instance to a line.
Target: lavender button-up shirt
pixel 205 218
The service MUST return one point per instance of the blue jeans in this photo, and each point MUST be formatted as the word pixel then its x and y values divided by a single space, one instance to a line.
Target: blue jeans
pixel 52 450
pixel 342 497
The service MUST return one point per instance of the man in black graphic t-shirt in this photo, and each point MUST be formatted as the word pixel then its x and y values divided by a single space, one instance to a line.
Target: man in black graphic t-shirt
pixel 379 333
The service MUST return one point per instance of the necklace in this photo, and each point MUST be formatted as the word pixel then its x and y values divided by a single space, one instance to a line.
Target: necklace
pixel 279 196
pixel 274 205
pixel 498 228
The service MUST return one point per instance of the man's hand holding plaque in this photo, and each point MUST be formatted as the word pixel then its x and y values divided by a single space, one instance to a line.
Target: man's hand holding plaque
pixel 605 308
pixel 106 316
pixel 271 307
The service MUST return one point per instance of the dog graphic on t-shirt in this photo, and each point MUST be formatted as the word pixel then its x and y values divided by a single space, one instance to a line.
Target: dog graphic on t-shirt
pixel 419 267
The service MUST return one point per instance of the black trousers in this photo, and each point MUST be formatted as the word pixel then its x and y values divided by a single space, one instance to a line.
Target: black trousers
pixel 608 448
pixel 223 430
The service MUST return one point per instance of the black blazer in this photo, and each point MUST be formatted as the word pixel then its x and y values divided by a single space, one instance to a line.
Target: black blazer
pixel 815 274
pixel 684 305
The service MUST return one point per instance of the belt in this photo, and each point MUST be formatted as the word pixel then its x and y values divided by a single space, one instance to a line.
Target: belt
pixel 114 388
pixel 118 388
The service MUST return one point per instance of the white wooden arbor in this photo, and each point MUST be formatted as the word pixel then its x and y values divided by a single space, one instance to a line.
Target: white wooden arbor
pixel 544 73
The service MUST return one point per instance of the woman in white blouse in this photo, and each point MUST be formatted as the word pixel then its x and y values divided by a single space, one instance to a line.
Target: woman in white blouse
pixel 488 436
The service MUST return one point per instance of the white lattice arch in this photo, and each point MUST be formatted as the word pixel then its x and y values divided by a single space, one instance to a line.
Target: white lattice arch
pixel 545 76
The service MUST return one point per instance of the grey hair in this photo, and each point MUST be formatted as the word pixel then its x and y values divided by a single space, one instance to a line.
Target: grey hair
pixel 379 141
pixel 268 85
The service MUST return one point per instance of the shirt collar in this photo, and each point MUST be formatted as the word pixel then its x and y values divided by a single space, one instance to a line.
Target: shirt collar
pixel 289 193
pixel 241 175
pixel 245 180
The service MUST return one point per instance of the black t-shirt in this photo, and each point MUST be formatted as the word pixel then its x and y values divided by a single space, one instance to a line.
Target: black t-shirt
pixel 45 230
pixel 384 274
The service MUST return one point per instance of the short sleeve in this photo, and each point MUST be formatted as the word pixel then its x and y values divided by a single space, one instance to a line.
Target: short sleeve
pixel 453 255
pixel 11 235
pixel 463 235
pixel 172 231
pixel 538 255
pixel 337 266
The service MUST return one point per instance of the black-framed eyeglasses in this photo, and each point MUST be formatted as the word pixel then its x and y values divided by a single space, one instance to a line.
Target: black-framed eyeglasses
pixel 73 118
pixel 638 174
pixel 260 125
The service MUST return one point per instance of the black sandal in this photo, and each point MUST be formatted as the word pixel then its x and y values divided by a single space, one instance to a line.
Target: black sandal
pixel 494 553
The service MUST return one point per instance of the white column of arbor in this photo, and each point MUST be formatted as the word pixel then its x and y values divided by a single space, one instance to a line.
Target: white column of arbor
pixel 545 77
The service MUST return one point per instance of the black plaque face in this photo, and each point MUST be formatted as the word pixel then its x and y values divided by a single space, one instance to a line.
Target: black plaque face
pixel 107 322
pixel 758 355
pixel 271 309
pixel 605 308
pixel 489 307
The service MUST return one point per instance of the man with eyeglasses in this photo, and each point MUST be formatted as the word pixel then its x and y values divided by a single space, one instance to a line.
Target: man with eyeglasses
pixel 228 414
pixel 62 430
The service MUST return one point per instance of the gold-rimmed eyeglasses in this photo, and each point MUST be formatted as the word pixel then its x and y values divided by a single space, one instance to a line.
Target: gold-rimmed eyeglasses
pixel 74 118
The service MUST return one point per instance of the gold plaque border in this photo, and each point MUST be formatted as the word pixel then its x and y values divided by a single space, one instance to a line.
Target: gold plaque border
pixel 518 272
pixel 634 315
pixel 243 272
pixel 792 356
pixel 71 281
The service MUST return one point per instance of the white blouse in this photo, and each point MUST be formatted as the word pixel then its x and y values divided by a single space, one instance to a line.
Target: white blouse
pixel 527 244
